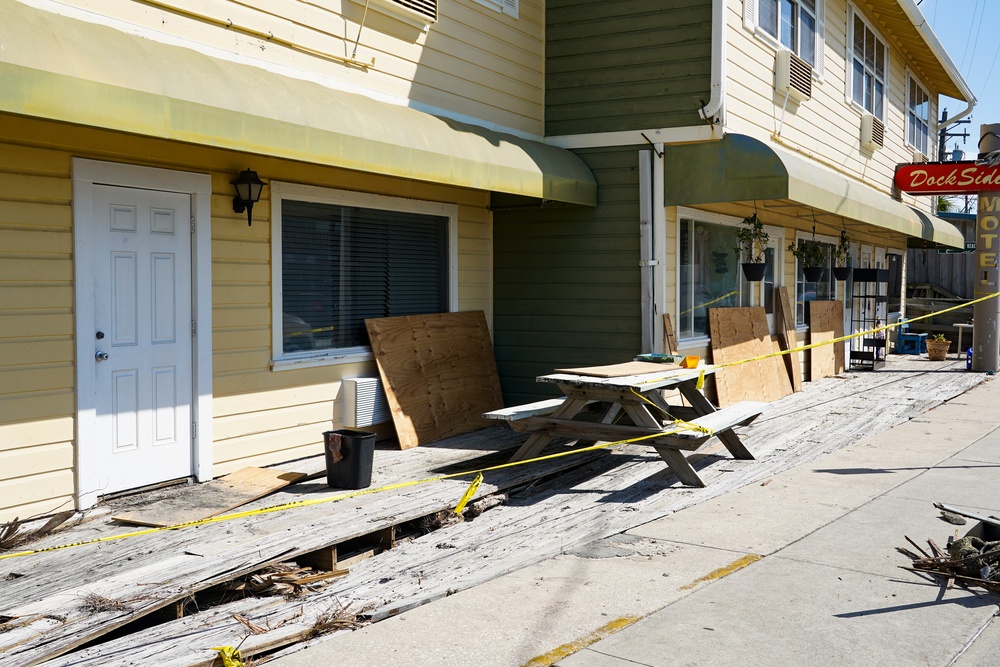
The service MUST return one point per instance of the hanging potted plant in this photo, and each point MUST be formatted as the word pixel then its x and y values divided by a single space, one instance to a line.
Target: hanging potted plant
pixel 937 347
pixel 841 253
pixel 752 242
pixel 812 257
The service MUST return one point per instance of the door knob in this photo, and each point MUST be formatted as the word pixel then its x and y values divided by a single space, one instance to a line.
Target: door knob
pixel 101 356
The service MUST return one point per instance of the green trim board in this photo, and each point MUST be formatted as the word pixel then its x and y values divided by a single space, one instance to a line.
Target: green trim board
pixel 63 69
pixel 743 169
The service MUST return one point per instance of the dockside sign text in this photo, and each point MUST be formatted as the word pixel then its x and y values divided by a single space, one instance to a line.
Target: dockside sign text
pixel 947 178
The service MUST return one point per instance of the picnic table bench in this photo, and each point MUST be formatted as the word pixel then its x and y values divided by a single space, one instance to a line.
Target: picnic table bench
pixel 634 394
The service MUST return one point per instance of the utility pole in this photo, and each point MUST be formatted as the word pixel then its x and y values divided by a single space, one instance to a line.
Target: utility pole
pixel 944 134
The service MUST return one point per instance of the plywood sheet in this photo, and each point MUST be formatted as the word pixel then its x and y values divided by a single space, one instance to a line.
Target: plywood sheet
pixel 619 370
pixel 669 340
pixel 826 322
pixel 738 334
pixel 211 498
pixel 785 317
pixel 439 373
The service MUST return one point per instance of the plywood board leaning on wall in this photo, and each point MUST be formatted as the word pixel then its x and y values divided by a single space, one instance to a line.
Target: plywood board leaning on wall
pixel 785 318
pixel 438 371
pixel 738 334
pixel 826 322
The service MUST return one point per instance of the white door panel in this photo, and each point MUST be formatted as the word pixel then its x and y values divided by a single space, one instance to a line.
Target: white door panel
pixel 142 291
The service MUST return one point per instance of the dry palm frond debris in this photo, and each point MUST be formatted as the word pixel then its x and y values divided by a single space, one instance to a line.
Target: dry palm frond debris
pixel 337 617
pixel 283 579
pixel 12 536
pixel 96 603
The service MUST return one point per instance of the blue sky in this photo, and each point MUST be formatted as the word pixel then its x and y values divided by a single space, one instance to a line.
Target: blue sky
pixel 967 29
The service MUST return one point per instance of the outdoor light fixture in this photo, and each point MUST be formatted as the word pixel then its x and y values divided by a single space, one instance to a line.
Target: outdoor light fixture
pixel 248 189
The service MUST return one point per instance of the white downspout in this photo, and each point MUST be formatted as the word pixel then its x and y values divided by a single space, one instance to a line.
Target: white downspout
pixel 660 251
pixel 714 111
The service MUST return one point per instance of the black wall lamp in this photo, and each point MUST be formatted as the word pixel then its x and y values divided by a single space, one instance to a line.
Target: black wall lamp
pixel 248 189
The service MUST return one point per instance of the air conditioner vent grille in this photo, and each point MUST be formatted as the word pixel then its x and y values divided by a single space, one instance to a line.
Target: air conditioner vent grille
pixel 793 76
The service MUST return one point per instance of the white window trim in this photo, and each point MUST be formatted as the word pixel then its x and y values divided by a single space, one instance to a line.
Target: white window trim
pixel 750 23
pixel 685 213
pixel 849 61
pixel 808 236
pixel 509 7
pixel 281 191
pixel 931 124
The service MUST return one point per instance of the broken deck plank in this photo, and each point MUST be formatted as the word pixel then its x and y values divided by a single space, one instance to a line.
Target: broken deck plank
pixel 212 498
pixel 608 495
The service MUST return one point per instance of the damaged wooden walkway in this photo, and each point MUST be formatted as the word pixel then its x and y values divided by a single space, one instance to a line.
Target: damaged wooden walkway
pixel 593 496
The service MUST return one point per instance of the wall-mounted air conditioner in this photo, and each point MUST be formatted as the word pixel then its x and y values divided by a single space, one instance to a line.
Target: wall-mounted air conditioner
pixel 872 132
pixel 918 156
pixel 364 402
pixel 792 76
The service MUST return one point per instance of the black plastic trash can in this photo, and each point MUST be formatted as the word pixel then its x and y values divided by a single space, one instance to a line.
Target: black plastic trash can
pixel 349 457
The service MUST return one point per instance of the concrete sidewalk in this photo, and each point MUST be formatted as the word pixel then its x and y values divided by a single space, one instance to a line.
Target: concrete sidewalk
pixel 799 570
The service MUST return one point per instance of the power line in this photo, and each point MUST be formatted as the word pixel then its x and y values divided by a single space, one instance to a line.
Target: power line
pixel 969 38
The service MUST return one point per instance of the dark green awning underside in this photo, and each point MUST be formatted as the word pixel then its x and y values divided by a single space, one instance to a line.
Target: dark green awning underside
pixel 743 169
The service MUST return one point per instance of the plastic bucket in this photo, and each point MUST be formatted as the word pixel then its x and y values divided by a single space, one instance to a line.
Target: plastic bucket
pixel 349 458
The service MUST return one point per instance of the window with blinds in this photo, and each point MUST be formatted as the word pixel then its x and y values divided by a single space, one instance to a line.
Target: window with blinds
pixel 341 264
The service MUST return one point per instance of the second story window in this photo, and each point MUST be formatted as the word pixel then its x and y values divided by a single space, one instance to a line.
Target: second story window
pixel 868 68
pixel 791 22
pixel 918 107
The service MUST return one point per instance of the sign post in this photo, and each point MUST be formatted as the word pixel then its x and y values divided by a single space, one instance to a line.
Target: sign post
pixel 986 314
pixel 961 178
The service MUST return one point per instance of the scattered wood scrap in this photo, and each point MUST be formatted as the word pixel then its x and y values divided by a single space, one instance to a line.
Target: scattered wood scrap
pixel 211 498
pixel 969 562
pixel 785 317
pixel 826 322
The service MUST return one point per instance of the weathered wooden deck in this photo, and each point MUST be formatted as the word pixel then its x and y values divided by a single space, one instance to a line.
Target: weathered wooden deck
pixel 553 505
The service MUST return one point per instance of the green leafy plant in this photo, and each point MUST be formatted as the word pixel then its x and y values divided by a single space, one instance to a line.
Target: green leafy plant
pixel 752 239
pixel 940 338
pixel 843 249
pixel 810 253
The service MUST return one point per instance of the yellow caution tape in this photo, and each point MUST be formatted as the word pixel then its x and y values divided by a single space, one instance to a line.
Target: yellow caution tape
pixel 471 491
pixel 709 303
pixel 700 384
pixel 679 426
pixel 230 656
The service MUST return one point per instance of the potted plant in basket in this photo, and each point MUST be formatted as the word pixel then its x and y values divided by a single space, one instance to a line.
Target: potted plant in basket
pixel 812 256
pixel 937 347
pixel 752 242
pixel 841 271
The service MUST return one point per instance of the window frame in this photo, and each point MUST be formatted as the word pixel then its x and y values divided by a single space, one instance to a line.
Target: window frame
pixel 930 121
pixel 821 238
pixel 776 242
pixel 751 16
pixel 849 60
pixel 280 191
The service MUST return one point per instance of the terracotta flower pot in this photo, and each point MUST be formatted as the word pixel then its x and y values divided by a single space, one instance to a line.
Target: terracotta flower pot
pixel 937 350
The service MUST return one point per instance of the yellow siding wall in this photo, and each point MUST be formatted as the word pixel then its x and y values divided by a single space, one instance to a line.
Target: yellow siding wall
pixel 36 332
pixel 827 127
pixel 260 416
pixel 473 61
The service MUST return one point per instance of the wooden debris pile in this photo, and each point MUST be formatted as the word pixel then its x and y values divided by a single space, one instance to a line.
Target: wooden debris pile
pixel 969 561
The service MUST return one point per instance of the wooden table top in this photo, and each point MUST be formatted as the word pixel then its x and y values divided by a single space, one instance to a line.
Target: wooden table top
pixel 641 383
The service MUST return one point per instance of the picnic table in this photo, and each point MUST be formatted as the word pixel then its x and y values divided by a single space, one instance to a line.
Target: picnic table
pixel 638 395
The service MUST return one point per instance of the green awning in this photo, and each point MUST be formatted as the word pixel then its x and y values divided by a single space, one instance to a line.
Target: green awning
pixel 743 169
pixel 64 69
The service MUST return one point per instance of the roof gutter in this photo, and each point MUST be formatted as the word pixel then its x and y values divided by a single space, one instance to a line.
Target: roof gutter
pixel 715 102
pixel 913 13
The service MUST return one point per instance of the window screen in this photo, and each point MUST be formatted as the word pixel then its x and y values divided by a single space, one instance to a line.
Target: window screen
pixel 343 264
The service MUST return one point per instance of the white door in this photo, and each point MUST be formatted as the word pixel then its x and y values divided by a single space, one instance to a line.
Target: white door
pixel 142 340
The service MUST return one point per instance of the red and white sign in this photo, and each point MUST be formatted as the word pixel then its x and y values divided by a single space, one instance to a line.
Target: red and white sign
pixel 946 178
